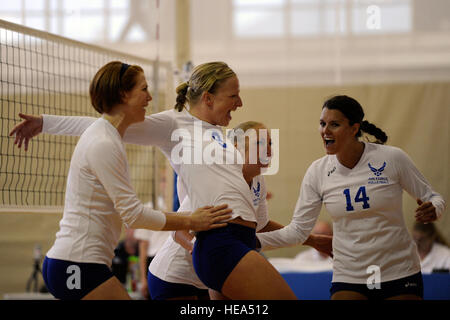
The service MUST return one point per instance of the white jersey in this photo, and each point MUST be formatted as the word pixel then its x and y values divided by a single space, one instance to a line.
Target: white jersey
pixel 99 197
pixel 365 204
pixel 173 263
pixel 208 183
pixel 309 260
pixel 437 258
pixel 154 238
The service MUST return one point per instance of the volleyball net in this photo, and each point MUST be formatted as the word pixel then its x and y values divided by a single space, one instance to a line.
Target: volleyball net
pixel 42 73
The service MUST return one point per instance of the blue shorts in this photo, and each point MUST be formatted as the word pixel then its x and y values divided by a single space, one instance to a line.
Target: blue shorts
pixel 163 290
pixel 218 251
pixel 408 285
pixel 67 280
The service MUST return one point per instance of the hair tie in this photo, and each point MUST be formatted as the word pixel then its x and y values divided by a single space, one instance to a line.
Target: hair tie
pixel 123 69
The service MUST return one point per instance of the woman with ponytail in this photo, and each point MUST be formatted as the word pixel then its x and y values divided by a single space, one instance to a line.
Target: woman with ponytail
pixel 99 195
pixel 205 102
pixel 171 273
pixel 361 185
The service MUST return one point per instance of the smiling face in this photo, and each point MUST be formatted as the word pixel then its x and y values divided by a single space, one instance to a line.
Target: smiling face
pixel 137 99
pixel 260 146
pixel 225 100
pixel 264 147
pixel 336 132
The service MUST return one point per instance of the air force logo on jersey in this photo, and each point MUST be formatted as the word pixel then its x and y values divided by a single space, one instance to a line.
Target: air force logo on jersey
pixel 378 172
pixel 257 194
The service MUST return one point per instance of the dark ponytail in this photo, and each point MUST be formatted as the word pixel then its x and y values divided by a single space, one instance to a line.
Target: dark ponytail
pixel 373 130
pixel 353 111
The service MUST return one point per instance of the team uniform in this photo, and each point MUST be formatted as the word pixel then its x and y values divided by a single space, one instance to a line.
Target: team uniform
pixel 172 271
pixel 99 198
pixel 155 239
pixel 437 259
pixel 185 140
pixel 218 251
pixel 369 232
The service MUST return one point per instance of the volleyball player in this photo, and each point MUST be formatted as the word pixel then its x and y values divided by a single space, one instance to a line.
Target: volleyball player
pixel 99 195
pixel 361 186
pixel 212 93
pixel 171 273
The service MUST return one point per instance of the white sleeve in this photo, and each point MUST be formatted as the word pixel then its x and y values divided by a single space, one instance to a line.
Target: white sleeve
pixel 110 166
pixel 155 130
pixel 66 125
pixel 415 183
pixel 305 215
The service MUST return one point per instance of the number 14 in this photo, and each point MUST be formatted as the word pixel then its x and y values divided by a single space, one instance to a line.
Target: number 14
pixel 361 196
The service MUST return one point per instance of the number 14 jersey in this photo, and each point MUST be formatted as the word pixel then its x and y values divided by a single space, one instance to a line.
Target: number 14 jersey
pixel 365 204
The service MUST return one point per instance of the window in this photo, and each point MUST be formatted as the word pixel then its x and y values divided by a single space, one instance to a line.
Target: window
pixel 394 16
pixel 83 20
pixel 309 18
pixel 253 18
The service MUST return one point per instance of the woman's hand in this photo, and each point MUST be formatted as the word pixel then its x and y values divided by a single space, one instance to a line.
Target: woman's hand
pixel 320 242
pixel 425 212
pixel 30 126
pixel 208 217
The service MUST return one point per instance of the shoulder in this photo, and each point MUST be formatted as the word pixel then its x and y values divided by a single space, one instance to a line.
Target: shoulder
pixel 319 170
pixel 101 142
pixel 382 149
pixel 98 133
pixel 163 117
pixel 441 249
pixel 321 165
pixel 390 154
pixel 320 162
pixel 167 114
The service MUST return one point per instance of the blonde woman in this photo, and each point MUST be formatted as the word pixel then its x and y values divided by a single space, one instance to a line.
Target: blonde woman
pixel 212 94
pixel 171 273
pixel 361 185
pixel 100 197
